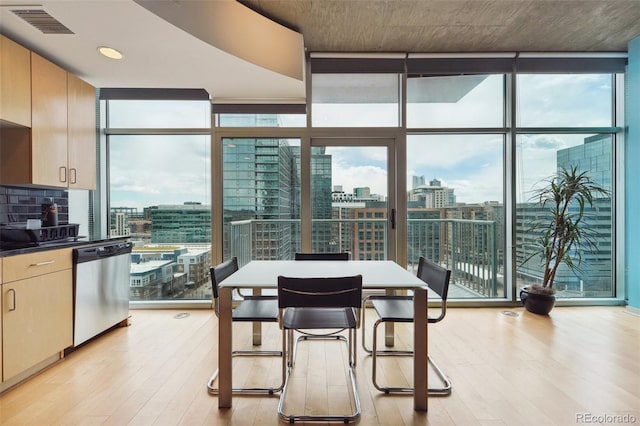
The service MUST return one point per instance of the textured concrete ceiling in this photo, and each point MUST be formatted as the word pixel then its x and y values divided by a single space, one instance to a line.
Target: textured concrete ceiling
pixel 458 25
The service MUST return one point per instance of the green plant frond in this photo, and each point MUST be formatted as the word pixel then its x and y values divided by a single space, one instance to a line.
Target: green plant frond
pixel 564 234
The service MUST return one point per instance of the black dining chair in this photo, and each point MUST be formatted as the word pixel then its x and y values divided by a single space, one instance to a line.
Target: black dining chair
pixel 400 309
pixel 322 256
pixel 250 309
pixel 319 303
pixel 318 256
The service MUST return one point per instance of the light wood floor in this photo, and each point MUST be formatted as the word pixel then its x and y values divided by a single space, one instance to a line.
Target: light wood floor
pixel 505 370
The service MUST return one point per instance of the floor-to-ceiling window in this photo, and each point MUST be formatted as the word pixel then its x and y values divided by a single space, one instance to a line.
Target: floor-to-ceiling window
pixel 479 145
pixel 455 179
pixel 566 121
pixel 158 170
pixel 456 153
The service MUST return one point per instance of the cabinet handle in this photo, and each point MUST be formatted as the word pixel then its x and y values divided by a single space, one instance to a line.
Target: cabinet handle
pixel 48 262
pixel 62 174
pixel 73 175
pixel 13 290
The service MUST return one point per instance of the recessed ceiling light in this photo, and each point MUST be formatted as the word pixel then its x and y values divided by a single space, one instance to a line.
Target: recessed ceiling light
pixel 110 52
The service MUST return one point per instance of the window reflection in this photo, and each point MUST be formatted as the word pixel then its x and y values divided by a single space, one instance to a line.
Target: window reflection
pixel 355 100
pixel 455 101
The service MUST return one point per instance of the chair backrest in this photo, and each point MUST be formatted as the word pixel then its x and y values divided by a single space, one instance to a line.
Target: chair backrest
pixel 220 272
pixel 322 256
pixel 338 292
pixel 438 279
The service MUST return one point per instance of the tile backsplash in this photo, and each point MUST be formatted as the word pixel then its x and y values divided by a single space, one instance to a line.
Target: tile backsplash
pixel 19 203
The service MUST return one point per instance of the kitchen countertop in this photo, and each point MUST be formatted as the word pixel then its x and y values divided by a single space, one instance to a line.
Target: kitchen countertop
pixel 58 245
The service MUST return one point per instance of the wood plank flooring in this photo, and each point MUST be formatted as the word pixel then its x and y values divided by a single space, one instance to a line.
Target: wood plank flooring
pixel 505 370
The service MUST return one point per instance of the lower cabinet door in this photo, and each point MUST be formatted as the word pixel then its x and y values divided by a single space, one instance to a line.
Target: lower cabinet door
pixel 37 320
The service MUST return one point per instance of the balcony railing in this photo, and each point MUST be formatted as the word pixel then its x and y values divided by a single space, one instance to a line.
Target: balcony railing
pixel 468 247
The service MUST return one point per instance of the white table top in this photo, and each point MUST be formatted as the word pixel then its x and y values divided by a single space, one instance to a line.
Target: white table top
pixel 376 274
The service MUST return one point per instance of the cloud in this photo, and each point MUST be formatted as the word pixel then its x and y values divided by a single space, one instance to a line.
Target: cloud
pixel 567 100
pixel 156 170
pixel 470 164
pixel 361 176
pixel 354 167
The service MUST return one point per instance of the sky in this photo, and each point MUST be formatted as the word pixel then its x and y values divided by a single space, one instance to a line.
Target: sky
pixel 155 170
pixel 472 164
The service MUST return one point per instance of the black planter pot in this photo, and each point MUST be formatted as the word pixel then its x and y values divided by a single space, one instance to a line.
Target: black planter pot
pixel 537 303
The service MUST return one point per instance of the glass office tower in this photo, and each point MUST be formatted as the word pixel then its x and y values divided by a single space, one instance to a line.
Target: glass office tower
pixel 261 193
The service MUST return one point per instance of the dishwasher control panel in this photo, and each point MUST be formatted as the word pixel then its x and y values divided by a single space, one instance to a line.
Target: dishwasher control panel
pixel 91 253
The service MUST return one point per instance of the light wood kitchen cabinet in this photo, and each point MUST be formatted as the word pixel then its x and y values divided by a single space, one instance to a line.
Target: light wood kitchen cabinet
pixel 48 123
pixel 60 148
pixel 81 135
pixel 15 83
pixel 37 309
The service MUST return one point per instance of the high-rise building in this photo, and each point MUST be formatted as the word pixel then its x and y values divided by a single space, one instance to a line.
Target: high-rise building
pixel 262 184
pixel 323 233
pixel 433 196
pixel 595 158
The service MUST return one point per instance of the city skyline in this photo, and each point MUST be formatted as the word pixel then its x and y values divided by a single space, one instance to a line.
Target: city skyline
pixel 433 219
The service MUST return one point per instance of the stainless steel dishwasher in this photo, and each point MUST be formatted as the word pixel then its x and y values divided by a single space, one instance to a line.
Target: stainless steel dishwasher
pixel 101 288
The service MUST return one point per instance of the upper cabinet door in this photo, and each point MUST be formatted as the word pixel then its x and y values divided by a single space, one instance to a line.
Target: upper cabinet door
pixel 15 83
pixel 48 123
pixel 81 143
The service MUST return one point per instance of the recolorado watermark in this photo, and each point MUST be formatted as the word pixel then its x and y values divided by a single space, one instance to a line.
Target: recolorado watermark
pixel 588 418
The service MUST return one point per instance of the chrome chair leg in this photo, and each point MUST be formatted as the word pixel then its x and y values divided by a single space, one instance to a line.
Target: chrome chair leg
pixel 247 391
pixel 346 418
pixel 374 360
pixel 443 391
pixel 364 328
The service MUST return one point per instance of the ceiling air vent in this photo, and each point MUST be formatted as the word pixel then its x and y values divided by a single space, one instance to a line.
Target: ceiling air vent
pixel 44 22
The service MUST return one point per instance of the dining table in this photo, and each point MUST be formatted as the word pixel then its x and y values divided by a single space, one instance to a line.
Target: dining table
pixel 261 275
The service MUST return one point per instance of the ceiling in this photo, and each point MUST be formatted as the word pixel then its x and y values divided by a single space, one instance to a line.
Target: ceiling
pixel 230 51
pixel 458 25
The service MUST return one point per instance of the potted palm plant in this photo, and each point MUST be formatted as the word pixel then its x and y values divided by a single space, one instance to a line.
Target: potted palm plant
pixel 563 233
